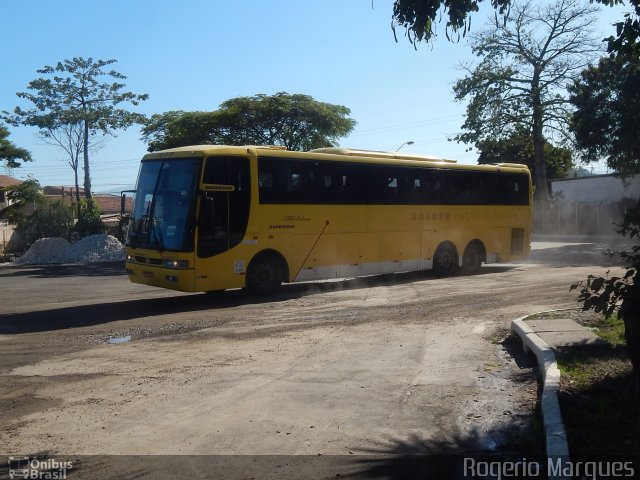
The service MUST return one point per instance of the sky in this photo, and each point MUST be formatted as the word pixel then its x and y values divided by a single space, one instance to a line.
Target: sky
pixel 193 55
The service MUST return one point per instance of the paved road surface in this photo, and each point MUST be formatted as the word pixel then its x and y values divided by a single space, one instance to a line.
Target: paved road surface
pixel 92 364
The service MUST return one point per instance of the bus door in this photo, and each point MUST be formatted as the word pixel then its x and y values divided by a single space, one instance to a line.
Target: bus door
pixel 224 205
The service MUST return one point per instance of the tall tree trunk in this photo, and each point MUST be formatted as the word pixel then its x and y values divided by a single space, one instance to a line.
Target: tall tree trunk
pixel 75 174
pixel 542 190
pixel 87 175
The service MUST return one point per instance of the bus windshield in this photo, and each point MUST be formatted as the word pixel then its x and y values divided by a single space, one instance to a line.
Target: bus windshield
pixel 164 204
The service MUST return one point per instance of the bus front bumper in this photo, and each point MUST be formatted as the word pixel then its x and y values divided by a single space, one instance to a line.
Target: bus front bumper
pixel 163 277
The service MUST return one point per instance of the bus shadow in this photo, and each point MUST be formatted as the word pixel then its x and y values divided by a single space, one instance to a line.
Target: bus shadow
pixel 78 316
pixel 387 279
pixel 96 313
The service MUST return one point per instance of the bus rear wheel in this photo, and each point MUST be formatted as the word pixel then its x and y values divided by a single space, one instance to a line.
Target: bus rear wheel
pixel 445 260
pixel 264 276
pixel 472 258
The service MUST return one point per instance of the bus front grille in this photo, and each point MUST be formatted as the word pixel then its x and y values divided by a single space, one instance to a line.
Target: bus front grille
pixel 148 260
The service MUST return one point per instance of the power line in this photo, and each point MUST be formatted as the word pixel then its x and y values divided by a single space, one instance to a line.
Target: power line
pixel 402 126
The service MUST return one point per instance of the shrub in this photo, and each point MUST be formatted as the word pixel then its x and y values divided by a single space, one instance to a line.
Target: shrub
pixel 89 221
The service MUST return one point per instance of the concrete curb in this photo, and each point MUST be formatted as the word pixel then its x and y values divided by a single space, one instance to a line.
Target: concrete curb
pixel 555 433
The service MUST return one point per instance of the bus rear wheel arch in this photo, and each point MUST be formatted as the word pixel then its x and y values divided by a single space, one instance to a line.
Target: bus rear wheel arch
pixel 265 273
pixel 445 259
pixel 473 256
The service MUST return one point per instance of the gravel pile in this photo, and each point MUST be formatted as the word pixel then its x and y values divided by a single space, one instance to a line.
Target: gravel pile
pixel 94 248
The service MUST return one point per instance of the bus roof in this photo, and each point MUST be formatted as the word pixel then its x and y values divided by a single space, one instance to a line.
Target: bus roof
pixel 362 155
pixel 201 150
pixel 378 154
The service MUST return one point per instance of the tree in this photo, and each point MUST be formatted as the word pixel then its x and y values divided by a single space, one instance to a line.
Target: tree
pixel 24 195
pixel 72 104
pixel 609 94
pixel 519 84
pixel 607 295
pixel 518 148
pixel 69 137
pixel 295 121
pixel 626 41
pixel 418 17
pixel 606 122
pixel 179 128
pixel 9 153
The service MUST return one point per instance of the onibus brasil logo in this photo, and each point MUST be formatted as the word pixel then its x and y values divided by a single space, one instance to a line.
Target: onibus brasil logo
pixel 41 469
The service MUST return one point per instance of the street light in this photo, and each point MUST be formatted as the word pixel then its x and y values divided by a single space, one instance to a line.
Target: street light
pixel 410 142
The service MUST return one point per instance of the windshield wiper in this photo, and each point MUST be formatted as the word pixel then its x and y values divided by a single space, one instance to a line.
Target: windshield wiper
pixel 152 221
pixel 157 232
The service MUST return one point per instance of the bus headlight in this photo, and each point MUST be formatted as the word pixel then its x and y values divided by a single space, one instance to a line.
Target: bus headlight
pixel 169 263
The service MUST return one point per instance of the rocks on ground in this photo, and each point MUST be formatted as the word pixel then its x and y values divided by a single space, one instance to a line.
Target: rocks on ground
pixel 94 248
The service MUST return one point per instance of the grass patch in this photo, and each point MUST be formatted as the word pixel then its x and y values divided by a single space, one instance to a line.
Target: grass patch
pixel 551 315
pixel 600 411
pixel 612 331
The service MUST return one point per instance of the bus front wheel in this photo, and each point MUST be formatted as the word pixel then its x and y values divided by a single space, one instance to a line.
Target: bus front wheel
pixel 264 276
pixel 445 260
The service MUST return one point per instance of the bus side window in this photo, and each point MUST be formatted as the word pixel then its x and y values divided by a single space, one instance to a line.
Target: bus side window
pixel 376 182
pixel 512 189
pixel 438 190
pixel 353 183
pixel 300 182
pixel 422 188
pixel 409 183
pixel 392 189
pixel 266 182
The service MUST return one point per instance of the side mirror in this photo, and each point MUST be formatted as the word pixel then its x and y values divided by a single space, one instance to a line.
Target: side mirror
pixel 123 203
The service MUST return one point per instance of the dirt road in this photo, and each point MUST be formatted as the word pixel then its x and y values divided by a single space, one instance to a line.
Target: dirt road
pixel 91 364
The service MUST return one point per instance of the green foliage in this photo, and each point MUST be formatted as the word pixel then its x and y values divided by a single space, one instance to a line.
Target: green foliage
pixel 24 194
pixel 607 117
pixel 518 148
pixel 9 153
pixel 293 120
pixel 35 216
pixel 72 104
pixel 418 17
pixel 53 218
pixel 625 42
pixel 602 294
pixel 89 221
pixel 178 129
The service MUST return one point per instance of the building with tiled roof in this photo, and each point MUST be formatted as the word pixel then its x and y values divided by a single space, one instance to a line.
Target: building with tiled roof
pixel 108 204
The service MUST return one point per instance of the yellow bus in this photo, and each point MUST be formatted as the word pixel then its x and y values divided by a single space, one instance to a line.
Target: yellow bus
pixel 210 217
